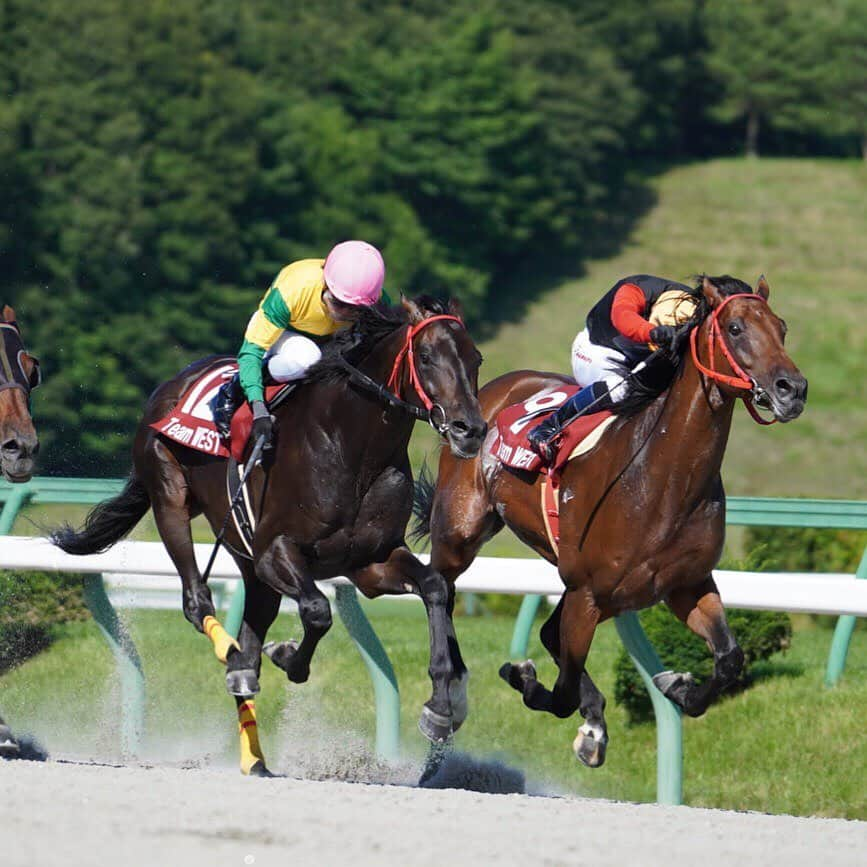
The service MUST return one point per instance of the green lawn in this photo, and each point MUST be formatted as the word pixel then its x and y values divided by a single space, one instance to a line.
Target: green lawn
pixel 787 745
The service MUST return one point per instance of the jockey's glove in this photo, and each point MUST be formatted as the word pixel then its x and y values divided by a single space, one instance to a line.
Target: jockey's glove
pixel 666 337
pixel 263 424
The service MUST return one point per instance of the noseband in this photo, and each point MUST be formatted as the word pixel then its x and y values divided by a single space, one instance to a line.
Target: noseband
pixel 740 380
pixel 390 392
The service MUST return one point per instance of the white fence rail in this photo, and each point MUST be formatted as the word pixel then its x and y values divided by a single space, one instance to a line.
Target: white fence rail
pixel 816 593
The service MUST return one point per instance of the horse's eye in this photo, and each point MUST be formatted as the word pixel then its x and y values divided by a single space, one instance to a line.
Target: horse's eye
pixel 424 358
pixel 734 329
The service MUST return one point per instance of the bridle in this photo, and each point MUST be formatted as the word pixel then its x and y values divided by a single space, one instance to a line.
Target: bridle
pixel 9 376
pixel 740 380
pixel 433 413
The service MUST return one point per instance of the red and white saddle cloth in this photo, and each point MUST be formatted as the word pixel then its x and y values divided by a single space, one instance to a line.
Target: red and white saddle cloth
pixel 510 447
pixel 191 422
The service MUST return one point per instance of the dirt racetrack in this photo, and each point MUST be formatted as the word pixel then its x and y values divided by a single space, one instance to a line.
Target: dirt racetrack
pixel 68 815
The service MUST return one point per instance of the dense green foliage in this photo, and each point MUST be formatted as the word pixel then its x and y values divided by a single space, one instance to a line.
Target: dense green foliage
pixel 759 633
pixel 794 549
pixel 31 605
pixel 161 161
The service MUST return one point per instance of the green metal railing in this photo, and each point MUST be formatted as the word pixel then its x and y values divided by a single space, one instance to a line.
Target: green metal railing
pixel 741 511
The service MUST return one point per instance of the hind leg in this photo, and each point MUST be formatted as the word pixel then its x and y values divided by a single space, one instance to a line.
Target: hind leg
pixel 261 606
pixel 701 609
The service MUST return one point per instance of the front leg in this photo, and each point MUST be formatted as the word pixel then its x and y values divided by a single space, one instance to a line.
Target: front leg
pixel 701 609
pixel 402 573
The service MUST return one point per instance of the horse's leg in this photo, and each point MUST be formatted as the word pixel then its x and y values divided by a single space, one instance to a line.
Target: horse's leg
pixel 8 745
pixel 592 738
pixel 284 569
pixel 170 499
pixel 701 609
pixel 403 573
pixel 462 521
pixel 261 606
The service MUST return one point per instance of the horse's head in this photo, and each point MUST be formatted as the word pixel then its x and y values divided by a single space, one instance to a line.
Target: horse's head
pixel 19 375
pixel 744 340
pixel 445 364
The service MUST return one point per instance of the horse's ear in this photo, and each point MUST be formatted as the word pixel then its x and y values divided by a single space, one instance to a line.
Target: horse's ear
pixel 456 308
pixel 8 313
pixel 415 312
pixel 762 288
pixel 711 292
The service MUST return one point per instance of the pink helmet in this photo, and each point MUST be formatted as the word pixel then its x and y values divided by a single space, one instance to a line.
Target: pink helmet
pixel 354 272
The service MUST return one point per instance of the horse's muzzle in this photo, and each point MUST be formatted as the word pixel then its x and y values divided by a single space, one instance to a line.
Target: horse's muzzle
pixel 17 458
pixel 788 395
pixel 466 438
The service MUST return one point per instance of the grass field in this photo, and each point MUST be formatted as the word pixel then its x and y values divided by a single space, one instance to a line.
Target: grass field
pixel 787 745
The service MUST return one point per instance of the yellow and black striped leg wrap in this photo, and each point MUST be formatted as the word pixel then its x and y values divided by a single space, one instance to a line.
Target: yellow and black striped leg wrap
pixel 222 641
pixel 252 760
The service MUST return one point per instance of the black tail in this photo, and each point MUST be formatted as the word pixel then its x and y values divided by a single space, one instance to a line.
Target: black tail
pixel 422 504
pixel 107 522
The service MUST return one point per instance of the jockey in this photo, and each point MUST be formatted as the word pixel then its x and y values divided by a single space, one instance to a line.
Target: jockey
pixel 309 301
pixel 639 314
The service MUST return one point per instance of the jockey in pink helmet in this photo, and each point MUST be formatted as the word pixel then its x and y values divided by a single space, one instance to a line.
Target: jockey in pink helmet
pixel 309 301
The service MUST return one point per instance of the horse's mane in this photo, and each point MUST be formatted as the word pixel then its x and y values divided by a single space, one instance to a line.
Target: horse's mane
pixel 645 388
pixel 354 344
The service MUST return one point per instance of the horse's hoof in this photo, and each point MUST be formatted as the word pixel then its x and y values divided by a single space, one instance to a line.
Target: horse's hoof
pixel 458 700
pixel 672 684
pixel 517 675
pixel 282 654
pixel 258 769
pixel 9 748
pixel 242 683
pixel 434 726
pixel 590 744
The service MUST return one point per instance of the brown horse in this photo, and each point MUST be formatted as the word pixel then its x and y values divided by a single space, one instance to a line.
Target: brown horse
pixel 335 497
pixel 642 515
pixel 19 375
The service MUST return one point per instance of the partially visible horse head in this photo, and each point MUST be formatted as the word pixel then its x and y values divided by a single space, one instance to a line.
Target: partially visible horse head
pixel 19 375
pixel 447 365
pixel 746 346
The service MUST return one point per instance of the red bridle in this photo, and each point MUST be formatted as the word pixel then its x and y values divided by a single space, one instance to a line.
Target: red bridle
pixel 408 351
pixel 715 337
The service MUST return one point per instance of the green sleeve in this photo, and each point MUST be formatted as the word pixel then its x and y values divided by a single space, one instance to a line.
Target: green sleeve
pixel 250 370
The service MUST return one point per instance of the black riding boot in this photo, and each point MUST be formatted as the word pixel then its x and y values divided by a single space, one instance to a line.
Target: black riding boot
pixel 541 438
pixel 225 402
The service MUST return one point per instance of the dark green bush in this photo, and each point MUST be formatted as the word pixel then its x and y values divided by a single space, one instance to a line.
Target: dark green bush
pixel 759 633
pixel 31 605
pixel 796 549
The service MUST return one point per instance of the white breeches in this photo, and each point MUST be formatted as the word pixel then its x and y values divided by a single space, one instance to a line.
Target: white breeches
pixel 291 356
pixel 592 363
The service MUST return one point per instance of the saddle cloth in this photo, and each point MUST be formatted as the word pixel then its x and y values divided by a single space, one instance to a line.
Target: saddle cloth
pixel 510 445
pixel 191 422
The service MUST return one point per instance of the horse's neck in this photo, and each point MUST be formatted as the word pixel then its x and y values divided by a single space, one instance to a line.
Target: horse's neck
pixel 688 434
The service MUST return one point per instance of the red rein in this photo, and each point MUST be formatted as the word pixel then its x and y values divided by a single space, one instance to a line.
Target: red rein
pixel 714 336
pixel 408 350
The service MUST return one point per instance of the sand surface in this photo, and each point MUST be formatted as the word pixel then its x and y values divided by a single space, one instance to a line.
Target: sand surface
pixel 62 814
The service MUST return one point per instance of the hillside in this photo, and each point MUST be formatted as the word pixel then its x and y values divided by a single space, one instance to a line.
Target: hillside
pixel 800 222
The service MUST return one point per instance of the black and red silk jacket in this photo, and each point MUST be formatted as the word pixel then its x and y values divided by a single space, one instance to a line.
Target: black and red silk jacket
pixel 619 318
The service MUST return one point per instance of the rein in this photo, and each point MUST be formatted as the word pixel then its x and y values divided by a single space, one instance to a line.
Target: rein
pixel 389 392
pixel 740 380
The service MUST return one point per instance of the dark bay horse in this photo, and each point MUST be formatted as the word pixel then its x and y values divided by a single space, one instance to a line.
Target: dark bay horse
pixel 335 497
pixel 19 375
pixel 642 515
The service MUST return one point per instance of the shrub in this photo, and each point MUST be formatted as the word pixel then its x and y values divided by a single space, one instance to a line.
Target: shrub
pixel 31 605
pixel 759 633
pixel 796 549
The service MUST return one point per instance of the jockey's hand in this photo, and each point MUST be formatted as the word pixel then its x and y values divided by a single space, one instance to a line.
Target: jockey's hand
pixel 666 337
pixel 263 424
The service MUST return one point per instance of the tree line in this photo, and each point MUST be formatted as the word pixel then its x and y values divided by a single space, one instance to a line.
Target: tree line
pixel 162 160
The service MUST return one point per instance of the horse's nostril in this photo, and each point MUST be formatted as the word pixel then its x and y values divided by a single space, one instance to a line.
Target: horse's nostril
pixel 784 387
pixel 460 427
pixel 11 446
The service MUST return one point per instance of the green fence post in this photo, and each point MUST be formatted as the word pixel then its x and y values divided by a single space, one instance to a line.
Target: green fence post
pixel 18 496
pixel 842 636
pixel 128 661
pixel 386 693
pixel 523 624
pixel 669 726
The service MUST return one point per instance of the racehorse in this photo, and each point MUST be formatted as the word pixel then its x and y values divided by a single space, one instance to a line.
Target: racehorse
pixel 642 514
pixel 334 499
pixel 19 375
